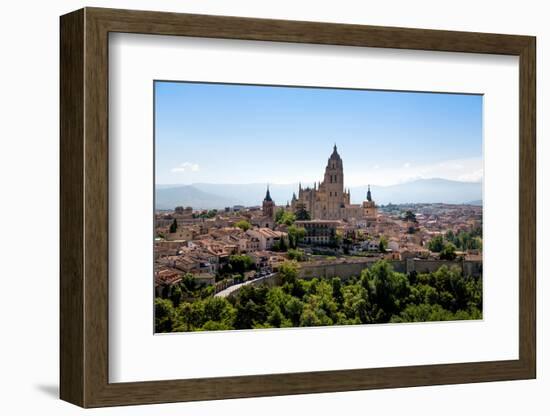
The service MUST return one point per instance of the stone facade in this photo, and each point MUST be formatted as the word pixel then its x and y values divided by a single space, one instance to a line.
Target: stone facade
pixel 352 268
pixel 319 232
pixel 268 205
pixel 329 200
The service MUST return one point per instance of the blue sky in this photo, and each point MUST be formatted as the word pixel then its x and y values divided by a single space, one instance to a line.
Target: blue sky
pixel 223 133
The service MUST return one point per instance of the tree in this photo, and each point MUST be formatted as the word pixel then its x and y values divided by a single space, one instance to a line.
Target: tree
pixel 164 315
pixel 477 243
pixel 337 293
pixel 409 216
pixel 174 226
pixel 436 244
pixel 448 252
pixel 280 245
pixel 309 318
pixel 185 317
pixel 336 239
pixel 288 271
pixel 189 282
pixel 387 289
pixel 295 254
pixel 176 295
pixel 293 309
pixel 276 317
pixel 279 215
pixel 218 310
pixel 251 307
pixel 383 244
pixel 287 218
pixel 243 225
pixel 216 326
pixel 295 235
pixel 240 263
pixel 450 237
pixel 301 213
pixel 423 313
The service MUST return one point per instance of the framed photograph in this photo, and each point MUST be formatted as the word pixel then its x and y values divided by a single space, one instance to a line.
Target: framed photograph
pixel 255 207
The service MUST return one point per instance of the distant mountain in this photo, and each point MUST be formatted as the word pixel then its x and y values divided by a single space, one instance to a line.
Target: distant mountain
pixel 422 191
pixel 188 195
pixel 209 196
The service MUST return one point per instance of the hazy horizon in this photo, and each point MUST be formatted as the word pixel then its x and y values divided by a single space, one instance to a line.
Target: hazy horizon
pixel 205 195
pixel 305 184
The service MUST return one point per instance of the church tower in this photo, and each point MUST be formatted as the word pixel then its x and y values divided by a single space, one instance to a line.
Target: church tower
pixel 333 186
pixel 369 207
pixel 268 206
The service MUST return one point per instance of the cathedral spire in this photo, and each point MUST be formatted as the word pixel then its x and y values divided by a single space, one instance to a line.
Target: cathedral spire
pixel 369 197
pixel 267 195
pixel 334 154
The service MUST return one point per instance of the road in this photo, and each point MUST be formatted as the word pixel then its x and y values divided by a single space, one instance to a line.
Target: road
pixel 229 290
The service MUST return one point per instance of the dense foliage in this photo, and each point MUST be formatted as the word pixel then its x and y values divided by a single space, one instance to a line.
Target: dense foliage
pixel 236 267
pixel 464 240
pixel 378 295
pixel 284 217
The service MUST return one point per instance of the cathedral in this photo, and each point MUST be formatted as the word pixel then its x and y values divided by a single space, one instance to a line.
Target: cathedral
pixel 329 200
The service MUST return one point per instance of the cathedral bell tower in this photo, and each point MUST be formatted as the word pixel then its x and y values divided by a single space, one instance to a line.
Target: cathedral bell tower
pixel 333 186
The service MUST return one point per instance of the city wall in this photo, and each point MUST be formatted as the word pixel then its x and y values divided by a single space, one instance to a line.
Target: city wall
pixel 345 270
pixel 269 281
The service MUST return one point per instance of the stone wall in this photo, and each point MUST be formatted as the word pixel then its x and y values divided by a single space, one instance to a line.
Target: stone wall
pixel 329 270
pixel 269 281
pixel 345 270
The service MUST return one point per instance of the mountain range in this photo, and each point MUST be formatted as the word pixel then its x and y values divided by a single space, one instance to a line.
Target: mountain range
pixel 217 196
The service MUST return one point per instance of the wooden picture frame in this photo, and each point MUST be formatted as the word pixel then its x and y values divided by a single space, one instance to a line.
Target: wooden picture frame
pixel 84 207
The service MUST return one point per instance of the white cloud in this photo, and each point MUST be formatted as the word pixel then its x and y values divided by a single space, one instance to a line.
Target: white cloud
pixel 474 176
pixel 465 170
pixel 186 167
